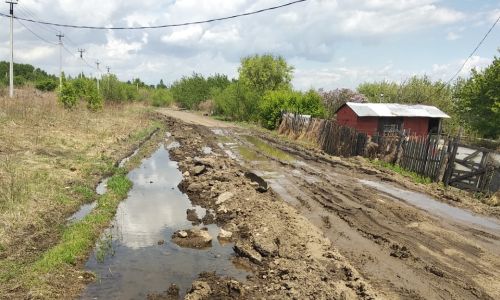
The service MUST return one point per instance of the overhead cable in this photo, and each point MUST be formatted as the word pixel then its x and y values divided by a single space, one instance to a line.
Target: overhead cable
pixel 158 26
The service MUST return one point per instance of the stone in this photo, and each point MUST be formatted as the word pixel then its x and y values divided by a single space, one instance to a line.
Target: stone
pixel 193 238
pixel 192 216
pixel 224 234
pixel 222 210
pixel 186 174
pixel 199 290
pixel 265 245
pixel 194 187
pixel 224 197
pixel 245 250
pixel 198 170
pixel 161 242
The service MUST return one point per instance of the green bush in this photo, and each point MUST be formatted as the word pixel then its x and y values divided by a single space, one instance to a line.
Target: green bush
pixel 94 99
pixel 190 91
pixel 274 103
pixel 162 97
pixel 68 95
pixel 46 85
pixel 236 102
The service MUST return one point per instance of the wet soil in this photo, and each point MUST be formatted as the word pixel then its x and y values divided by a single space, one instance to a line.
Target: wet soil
pixel 290 257
pixel 136 256
pixel 322 232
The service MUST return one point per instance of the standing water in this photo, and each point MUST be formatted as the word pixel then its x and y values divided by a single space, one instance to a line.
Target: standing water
pixel 136 255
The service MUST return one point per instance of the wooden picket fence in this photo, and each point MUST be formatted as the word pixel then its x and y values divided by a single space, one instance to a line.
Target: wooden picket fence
pixel 430 156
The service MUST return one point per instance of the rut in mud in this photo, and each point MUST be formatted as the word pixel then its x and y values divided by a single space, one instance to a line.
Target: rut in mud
pixel 405 250
pixel 429 251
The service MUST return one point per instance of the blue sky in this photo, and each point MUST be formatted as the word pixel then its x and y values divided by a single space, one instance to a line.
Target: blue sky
pixel 331 43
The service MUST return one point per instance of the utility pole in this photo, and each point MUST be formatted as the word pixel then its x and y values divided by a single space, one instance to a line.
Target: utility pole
pixel 81 56
pixel 97 76
pixel 60 36
pixel 107 79
pixel 81 52
pixel 11 68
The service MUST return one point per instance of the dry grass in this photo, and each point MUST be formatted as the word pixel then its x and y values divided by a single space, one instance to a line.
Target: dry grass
pixel 49 159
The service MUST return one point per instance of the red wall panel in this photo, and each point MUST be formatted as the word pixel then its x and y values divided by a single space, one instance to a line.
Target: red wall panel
pixel 416 126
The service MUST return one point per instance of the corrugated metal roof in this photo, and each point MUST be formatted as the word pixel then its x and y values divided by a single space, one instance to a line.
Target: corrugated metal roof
pixel 395 110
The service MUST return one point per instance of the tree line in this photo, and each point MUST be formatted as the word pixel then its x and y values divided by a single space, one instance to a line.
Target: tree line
pixel 263 91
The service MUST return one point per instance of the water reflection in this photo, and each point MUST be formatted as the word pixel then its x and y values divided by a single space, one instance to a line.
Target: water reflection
pixel 154 209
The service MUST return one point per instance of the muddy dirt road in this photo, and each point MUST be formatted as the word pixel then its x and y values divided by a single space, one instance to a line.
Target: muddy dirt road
pixel 406 245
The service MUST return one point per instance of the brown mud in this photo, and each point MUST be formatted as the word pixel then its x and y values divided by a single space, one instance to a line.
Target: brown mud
pixel 290 257
pixel 320 232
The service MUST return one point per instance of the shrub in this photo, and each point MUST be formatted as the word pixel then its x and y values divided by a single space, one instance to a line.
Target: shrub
pixel 46 85
pixel 273 104
pixel 94 99
pixel 190 91
pixel 68 96
pixel 237 102
pixel 162 97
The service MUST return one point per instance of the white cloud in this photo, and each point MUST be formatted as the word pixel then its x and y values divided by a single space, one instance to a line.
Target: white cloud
pixel 35 54
pixel 321 34
pixel 190 34
pixel 452 36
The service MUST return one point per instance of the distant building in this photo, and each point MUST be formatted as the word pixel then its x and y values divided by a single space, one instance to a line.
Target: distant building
pixel 373 118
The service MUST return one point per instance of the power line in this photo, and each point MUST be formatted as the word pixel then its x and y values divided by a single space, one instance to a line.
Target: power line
pixel 35 34
pixel 474 51
pixel 161 26
pixel 27 12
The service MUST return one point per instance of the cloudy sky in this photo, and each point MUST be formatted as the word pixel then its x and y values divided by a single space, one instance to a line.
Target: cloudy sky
pixel 331 43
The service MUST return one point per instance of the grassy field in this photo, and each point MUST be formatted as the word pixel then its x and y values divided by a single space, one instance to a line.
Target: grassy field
pixel 51 160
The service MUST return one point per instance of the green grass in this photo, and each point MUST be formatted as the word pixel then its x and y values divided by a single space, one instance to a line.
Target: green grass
pixel 269 150
pixel 78 238
pixel 398 169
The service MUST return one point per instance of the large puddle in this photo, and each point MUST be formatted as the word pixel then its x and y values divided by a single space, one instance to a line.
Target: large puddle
pixel 136 255
pixel 435 207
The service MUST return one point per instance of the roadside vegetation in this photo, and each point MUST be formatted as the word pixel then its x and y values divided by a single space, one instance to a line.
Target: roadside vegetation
pixel 51 159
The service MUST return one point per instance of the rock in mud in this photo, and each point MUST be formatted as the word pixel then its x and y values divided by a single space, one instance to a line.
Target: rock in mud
pixel 209 218
pixel 206 161
pixel 171 294
pixel 245 250
pixel 199 290
pixel 224 197
pixel 224 234
pixel 265 245
pixel 198 170
pixel 192 216
pixel 261 184
pixel 193 238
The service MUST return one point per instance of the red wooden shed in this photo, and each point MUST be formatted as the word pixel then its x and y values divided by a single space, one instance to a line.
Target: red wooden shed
pixel 373 118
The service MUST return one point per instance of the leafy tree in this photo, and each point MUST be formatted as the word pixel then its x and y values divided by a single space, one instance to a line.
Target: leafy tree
pixel 161 85
pixel 333 100
pixel 478 100
pixel 265 73
pixel 92 96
